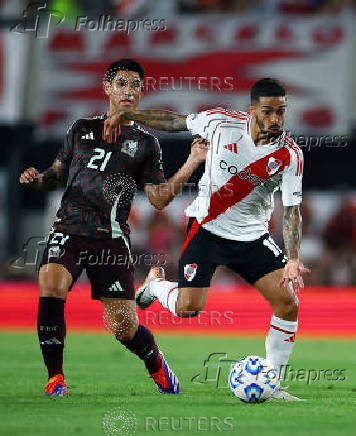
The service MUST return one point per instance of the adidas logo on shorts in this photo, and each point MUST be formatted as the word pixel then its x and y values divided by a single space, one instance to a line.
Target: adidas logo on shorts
pixel 52 341
pixel 116 287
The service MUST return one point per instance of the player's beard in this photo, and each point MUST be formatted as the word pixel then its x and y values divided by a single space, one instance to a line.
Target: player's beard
pixel 265 134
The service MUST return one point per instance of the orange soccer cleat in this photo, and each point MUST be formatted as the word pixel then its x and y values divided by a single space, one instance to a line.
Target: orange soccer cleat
pixel 56 386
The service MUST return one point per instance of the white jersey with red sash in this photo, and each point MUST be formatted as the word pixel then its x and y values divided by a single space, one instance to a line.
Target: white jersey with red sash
pixel 235 199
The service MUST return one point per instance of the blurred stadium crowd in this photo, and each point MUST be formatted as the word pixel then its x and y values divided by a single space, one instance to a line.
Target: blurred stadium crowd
pixel 328 249
pixel 32 138
pixel 134 8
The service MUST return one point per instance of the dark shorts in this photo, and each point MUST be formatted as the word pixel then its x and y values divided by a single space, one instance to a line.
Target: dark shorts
pixel 252 260
pixel 106 261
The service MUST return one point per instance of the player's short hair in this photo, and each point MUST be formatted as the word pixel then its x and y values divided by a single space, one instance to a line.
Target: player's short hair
pixel 126 65
pixel 267 87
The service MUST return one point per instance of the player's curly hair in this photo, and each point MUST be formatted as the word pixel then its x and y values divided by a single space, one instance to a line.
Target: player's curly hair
pixel 267 87
pixel 126 65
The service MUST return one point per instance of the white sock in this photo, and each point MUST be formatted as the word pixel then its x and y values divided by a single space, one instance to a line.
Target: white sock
pixel 167 294
pixel 280 343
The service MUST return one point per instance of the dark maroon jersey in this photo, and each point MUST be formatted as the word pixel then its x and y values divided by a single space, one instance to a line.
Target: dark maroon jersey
pixel 103 177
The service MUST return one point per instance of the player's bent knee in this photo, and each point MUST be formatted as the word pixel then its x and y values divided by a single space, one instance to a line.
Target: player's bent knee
pixel 54 281
pixel 288 310
pixel 190 302
pixel 189 310
pixel 125 335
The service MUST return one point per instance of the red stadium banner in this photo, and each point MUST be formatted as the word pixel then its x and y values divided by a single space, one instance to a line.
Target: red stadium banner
pixel 239 310
pixel 192 65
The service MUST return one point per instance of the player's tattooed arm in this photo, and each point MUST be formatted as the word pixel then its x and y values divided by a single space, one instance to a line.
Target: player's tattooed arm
pixel 158 119
pixel 52 178
pixel 292 230
pixel 155 118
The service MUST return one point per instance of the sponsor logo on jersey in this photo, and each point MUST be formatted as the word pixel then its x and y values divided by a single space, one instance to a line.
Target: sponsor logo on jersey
pixel 89 135
pixel 231 147
pixel 129 147
pixel 273 165
pixel 243 174
pixel 190 271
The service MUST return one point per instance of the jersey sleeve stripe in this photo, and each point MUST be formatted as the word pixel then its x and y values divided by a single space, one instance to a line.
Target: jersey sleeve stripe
pixel 293 146
pixel 296 152
pixel 300 159
pixel 229 114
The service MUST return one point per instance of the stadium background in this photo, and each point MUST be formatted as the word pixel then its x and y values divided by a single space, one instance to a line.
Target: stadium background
pixel 195 59
pixel 209 53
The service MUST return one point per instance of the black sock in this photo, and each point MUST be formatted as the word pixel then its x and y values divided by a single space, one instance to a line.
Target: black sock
pixel 144 346
pixel 51 330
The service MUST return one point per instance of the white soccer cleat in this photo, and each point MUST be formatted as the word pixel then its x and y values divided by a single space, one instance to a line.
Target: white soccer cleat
pixel 282 394
pixel 144 297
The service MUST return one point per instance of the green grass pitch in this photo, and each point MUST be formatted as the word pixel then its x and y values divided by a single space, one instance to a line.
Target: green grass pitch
pixel 103 377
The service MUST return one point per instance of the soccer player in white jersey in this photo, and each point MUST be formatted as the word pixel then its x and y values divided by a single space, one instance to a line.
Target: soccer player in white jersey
pixel 250 157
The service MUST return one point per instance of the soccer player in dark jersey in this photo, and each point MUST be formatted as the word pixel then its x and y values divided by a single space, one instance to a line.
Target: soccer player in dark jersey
pixel 100 179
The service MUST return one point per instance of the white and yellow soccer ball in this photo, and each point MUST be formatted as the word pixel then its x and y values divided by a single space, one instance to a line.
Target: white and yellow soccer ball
pixel 253 379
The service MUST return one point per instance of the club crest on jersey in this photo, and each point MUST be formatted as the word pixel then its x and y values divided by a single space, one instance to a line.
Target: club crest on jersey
pixel 273 165
pixel 190 271
pixel 129 147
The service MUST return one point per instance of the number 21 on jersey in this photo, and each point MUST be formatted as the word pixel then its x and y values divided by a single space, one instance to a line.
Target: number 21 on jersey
pixel 101 157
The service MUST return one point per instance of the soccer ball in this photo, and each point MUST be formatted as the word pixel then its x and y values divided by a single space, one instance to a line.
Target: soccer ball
pixel 253 379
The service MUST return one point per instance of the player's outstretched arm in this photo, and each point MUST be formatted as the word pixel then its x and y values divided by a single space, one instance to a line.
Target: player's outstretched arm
pixel 155 118
pixel 52 178
pixel 292 231
pixel 161 195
